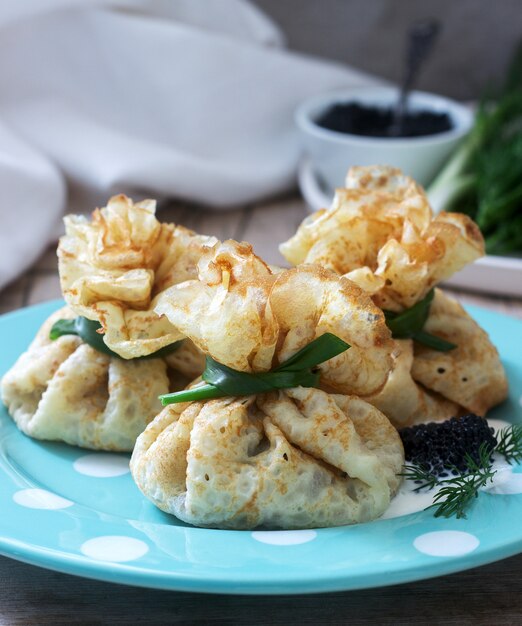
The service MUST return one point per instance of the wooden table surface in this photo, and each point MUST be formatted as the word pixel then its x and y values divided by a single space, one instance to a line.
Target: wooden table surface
pixel 488 595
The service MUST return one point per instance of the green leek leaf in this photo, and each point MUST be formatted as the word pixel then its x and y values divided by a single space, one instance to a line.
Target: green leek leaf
pixel 87 330
pixel 297 371
pixel 483 176
pixel 433 342
pixel 410 323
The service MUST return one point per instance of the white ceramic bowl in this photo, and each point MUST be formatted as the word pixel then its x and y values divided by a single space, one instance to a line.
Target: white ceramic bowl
pixel 332 152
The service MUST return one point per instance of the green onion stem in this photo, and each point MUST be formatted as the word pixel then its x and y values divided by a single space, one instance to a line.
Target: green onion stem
pixel 87 330
pixel 297 371
pixel 410 323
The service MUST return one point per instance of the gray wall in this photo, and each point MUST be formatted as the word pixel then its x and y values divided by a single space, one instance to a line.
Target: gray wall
pixel 473 49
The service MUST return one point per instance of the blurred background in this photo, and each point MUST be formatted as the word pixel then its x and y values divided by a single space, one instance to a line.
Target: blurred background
pixel 475 45
pixel 192 102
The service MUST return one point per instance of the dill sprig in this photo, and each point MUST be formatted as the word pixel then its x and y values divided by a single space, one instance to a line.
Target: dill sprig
pixel 483 176
pixel 510 443
pixel 421 476
pixel 457 492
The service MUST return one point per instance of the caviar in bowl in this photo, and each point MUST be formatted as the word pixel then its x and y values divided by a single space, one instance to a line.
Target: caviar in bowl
pixel 332 150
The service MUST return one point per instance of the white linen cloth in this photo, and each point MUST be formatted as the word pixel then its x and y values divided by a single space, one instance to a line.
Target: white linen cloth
pixel 182 98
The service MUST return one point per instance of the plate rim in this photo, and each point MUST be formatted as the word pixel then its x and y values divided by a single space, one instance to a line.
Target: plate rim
pixel 236 582
pixel 77 565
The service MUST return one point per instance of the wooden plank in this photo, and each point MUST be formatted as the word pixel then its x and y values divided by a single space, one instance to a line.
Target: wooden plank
pixel 272 223
pixel 12 296
pixel 171 211
pixel 485 596
pixel 43 287
pixel 48 261
pixel 220 224
pixel 223 224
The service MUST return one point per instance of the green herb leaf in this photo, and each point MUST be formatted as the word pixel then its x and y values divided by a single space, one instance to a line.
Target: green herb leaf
pixel 406 324
pixel 63 327
pixel 433 342
pixel 424 479
pixel 87 330
pixel 193 394
pixel 233 383
pixel 297 371
pixel 458 492
pixel 510 443
pixel 317 351
pixel 409 325
pixel 483 176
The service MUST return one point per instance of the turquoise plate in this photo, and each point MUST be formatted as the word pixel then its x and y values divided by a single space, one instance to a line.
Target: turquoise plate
pixel 79 512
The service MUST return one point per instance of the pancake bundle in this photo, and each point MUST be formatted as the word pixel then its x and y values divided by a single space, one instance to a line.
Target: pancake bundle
pixel 253 396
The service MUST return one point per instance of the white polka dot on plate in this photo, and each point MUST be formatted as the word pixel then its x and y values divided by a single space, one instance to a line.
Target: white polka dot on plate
pixel 284 537
pixel 114 548
pixel 446 543
pixel 102 465
pixel 41 499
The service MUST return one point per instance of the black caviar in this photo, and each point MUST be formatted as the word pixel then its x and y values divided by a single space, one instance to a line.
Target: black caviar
pixel 373 121
pixel 440 448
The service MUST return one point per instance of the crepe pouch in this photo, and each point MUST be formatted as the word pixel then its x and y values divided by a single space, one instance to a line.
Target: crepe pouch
pixel 291 458
pixel 112 268
pixel 381 233
pixel 65 390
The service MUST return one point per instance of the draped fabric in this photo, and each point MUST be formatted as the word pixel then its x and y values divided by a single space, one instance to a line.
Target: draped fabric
pixel 183 98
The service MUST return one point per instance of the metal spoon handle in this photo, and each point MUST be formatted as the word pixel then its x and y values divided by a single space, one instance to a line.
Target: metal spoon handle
pixel 421 39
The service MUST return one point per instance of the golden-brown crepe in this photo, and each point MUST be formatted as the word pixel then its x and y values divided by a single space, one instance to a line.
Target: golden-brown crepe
pixel 247 317
pixel 293 458
pixel 471 375
pixel 299 458
pixel 65 390
pixel 402 399
pixel 113 268
pixel 381 233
